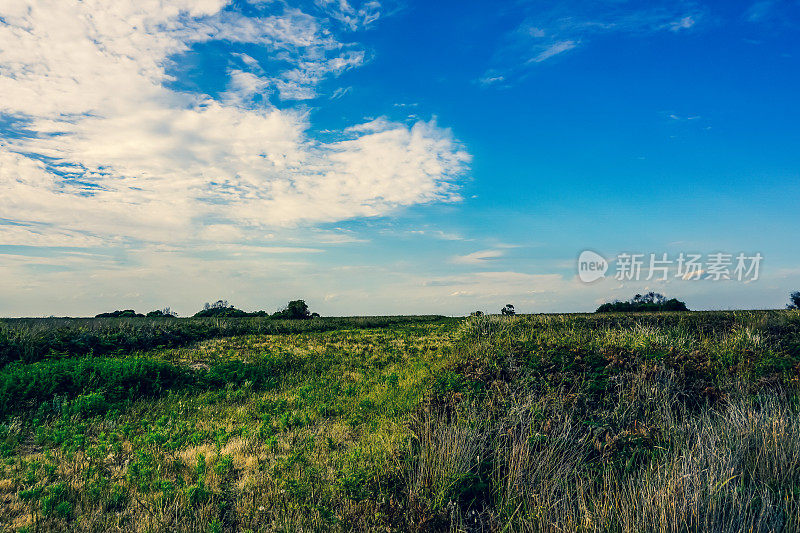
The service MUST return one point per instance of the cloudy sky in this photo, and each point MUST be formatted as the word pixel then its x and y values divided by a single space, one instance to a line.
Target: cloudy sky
pixel 383 157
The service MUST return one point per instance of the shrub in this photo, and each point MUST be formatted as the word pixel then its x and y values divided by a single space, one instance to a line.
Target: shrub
pixel 226 312
pixel 160 313
pixel 294 310
pixel 23 386
pixel 650 302
pixel 96 384
pixel 127 313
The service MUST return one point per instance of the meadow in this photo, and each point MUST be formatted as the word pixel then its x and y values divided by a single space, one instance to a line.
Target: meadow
pixel 607 422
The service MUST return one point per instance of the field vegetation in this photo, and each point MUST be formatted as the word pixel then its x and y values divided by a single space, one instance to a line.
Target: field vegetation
pixel 608 422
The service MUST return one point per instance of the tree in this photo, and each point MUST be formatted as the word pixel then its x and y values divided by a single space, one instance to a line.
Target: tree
pixel 795 300
pixel 162 313
pixel 508 310
pixel 220 309
pixel 649 298
pixel 294 310
pixel 127 313
pixel 476 313
pixel 652 301
pixel 219 304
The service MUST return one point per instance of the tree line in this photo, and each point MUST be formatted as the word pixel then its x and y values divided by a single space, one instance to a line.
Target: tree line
pixel 294 310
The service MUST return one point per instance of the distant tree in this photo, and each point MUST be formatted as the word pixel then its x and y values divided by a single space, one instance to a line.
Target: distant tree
pixel 294 310
pixel 476 313
pixel 221 309
pixel 795 300
pixel 508 310
pixel 162 313
pixel 127 313
pixel 649 298
pixel 652 301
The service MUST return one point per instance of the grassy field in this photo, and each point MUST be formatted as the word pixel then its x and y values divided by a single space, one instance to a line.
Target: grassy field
pixel 647 422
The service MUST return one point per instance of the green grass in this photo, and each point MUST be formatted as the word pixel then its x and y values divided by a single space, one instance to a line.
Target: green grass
pixel 656 422
pixel 34 339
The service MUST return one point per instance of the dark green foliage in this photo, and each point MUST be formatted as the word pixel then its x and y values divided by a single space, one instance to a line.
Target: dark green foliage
pixel 24 386
pixel 127 313
pixel 295 310
pixel 162 313
pixel 222 312
pixel 221 309
pixel 795 300
pixel 97 384
pixel 508 310
pixel 650 302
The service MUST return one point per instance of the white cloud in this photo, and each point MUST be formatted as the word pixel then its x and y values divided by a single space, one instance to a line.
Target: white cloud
pixel 553 50
pixel 491 80
pixel 340 92
pixel 683 24
pixel 477 258
pixel 19 235
pixel 116 153
pixel 549 30
pixel 353 17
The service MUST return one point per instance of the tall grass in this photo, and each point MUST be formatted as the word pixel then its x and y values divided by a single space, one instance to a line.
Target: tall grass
pixel 659 467
pixel 653 423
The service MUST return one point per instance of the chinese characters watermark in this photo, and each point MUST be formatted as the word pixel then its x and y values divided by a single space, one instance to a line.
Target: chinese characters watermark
pixel 716 266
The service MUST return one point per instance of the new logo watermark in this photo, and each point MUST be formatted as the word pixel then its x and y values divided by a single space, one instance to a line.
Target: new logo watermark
pixel 591 266
pixel 717 266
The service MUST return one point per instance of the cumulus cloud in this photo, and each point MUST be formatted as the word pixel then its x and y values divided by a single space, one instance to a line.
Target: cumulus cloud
pixel 104 147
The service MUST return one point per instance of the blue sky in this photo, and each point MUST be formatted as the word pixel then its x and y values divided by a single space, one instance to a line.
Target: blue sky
pixel 391 157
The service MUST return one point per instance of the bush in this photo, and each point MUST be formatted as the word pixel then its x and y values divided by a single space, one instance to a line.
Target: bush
pixel 24 386
pixel 222 312
pixel 161 313
pixel 508 310
pixel 127 313
pixel 96 384
pixel 294 310
pixel 650 302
